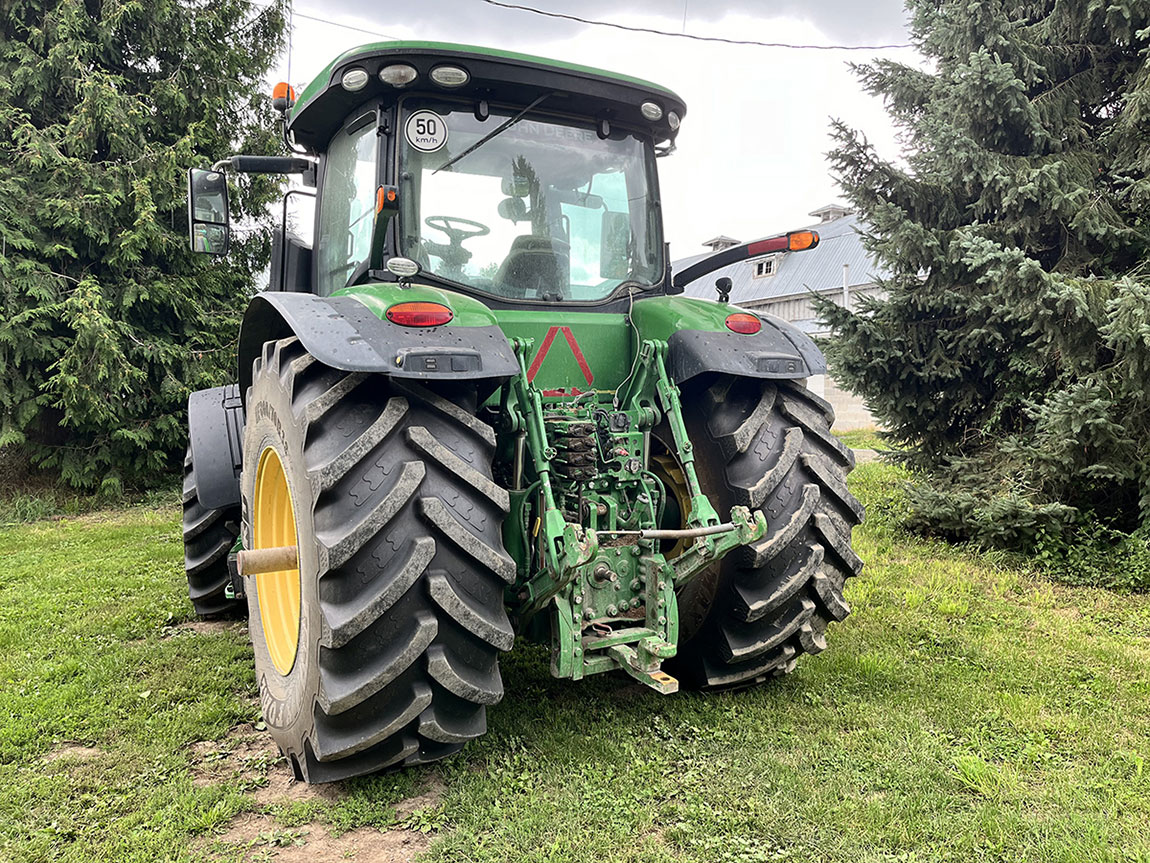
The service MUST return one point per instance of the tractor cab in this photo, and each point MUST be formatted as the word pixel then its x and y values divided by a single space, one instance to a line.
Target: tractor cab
pixel 514 179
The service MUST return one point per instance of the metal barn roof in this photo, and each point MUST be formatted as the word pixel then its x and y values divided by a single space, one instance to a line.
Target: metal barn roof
pixel 796 273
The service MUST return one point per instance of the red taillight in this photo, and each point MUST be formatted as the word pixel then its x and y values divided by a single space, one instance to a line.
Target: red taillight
pixel 419 314
pixel 741 322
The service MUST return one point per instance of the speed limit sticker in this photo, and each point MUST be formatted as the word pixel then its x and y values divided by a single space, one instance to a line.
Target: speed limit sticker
pixel 426 131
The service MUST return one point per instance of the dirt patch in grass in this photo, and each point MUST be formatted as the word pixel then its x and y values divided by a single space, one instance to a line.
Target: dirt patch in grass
pixel 430 795
pixel 245 757
pixel 207 627
pixel 73 752
pixel 260 838
pixel 250 759
pixel 283 787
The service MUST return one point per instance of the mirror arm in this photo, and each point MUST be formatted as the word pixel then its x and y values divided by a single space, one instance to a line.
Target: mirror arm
pixel 266 164
pixel 742 252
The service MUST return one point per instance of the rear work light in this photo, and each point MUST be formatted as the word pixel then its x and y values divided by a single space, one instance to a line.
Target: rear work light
pixel 740 322
pixel 419 314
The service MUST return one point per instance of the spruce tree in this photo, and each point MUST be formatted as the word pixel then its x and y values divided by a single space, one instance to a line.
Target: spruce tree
pixel 108 321
pixel 1011 357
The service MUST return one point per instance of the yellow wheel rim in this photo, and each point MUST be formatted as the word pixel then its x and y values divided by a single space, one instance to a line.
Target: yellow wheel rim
pixel 273 525
pixel 666 467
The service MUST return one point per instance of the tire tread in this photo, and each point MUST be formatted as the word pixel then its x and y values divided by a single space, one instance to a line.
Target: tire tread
pixel 772 602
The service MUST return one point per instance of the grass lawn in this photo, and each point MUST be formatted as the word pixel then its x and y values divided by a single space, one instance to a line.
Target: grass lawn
pixel 966 711
pixel 863 439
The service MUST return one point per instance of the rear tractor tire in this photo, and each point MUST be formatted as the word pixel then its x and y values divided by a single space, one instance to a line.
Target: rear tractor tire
pixel 209 535
pixel 382 648
pixel 750 616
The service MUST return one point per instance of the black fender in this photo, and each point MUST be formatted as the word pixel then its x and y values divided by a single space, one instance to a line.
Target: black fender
pixel 216 436
pixel 343 333
pixel 779 350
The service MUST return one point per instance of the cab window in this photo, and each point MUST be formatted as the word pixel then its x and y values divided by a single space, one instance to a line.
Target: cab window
pixel 347 206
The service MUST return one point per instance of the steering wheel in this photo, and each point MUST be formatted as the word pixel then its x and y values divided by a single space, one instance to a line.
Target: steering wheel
pixel 450 225
pixel 452 253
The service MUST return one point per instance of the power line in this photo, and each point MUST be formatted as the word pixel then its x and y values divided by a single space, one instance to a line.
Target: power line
pixel 292 13
pixel 691 35
pixel 344 26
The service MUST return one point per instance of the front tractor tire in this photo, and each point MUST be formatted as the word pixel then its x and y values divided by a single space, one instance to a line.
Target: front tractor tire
pixel 382 648
pixel 768 447
pixel 209 535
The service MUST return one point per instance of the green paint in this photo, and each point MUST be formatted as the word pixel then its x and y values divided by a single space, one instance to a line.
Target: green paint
pixel 659 317
pixel 381 296
pixel 604 339
pixel 702 513
pixel 323 80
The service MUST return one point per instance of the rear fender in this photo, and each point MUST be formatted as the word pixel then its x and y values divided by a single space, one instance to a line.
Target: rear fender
pixel 352 335
pixel 215 434
pixel 699 341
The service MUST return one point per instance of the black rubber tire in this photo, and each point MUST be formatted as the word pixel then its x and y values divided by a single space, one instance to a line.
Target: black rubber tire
pixel 209 535
pixel 402 565
pixel 769 447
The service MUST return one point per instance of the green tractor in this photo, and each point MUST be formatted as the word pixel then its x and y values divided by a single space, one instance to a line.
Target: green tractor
pixel 478 406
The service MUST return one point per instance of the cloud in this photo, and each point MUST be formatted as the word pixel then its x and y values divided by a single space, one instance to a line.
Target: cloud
pixel 842 21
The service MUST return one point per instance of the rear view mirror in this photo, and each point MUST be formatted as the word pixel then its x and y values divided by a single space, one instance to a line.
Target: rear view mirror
pixel 513 209
pixel 614 241
pixel 208 224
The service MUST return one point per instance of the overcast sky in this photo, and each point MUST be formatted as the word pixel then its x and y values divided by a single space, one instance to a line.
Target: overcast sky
pixel 750 159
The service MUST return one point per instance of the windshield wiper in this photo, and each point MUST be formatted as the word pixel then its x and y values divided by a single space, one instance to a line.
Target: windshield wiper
pixel 505 125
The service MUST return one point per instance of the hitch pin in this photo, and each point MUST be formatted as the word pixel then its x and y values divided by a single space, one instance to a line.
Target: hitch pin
pixel 686 533
pixel 257 561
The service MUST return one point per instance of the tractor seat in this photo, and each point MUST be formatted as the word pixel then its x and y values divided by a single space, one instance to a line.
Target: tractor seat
pixel 535 267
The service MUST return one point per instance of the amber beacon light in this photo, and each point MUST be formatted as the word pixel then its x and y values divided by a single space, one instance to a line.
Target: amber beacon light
pixel 283 96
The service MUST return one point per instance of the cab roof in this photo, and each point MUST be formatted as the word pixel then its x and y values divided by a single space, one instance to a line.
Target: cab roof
pixel 497 76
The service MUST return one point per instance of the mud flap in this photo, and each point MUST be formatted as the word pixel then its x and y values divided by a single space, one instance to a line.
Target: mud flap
pixel 216 433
